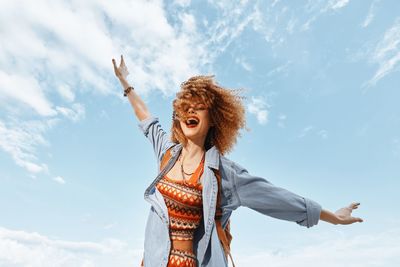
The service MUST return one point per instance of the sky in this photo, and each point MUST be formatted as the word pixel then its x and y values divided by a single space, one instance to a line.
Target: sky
pixel 321 81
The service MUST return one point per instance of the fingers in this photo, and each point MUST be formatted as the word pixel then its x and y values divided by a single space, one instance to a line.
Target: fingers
pixel 121 70
pixel 354 205
pixel 122 61
pixel 115 65
pixel 356 219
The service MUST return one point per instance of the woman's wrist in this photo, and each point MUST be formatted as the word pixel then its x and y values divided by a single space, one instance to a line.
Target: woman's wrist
pixel 128 90
pixel 330 217
pixel 122 79
pixel 125 84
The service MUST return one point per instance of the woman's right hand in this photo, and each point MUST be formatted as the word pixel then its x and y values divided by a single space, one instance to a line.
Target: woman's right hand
pixel 122 71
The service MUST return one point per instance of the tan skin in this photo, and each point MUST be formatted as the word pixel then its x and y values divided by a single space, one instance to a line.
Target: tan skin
pixel 193 152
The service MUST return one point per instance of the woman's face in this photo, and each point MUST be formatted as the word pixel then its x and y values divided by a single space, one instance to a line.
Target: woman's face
pixel 197 121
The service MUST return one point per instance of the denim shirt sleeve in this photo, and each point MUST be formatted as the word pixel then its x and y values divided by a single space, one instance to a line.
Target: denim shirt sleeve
pixel 261 195
pixel 160 141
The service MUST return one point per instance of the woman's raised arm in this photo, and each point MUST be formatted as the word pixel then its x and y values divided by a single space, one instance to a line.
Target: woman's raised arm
pixel 137 103
pixel 148 123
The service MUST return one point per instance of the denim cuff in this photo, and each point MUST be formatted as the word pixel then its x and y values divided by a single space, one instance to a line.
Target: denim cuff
pixel 313 212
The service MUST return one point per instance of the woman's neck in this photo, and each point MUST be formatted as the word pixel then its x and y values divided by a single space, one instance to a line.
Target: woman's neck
pixel 192 151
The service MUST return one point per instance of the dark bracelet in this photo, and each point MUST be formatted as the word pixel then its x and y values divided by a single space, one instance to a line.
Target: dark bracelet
pixel 127 90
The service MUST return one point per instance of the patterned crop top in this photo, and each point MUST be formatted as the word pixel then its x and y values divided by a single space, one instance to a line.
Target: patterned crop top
pixel 184 202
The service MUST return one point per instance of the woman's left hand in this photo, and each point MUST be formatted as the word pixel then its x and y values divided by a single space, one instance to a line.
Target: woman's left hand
pixel 122 71
pixel 344 214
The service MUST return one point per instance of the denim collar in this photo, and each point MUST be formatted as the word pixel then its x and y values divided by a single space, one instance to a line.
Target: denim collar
pixel 211 159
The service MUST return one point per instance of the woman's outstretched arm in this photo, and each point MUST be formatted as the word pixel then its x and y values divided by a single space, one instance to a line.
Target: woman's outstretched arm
pixel 263 196
pixel 137 103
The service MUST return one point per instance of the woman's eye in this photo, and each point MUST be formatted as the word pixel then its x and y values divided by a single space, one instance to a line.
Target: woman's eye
pixel 200 107
pixel 195 107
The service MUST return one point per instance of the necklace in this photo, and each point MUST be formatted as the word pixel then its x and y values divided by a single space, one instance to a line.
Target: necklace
pixel 183 171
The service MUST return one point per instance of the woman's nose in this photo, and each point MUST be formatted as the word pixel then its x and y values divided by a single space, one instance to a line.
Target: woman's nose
pixel 191 110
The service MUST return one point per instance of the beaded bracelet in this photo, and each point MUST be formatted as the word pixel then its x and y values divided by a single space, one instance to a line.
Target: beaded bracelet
pixel 127 90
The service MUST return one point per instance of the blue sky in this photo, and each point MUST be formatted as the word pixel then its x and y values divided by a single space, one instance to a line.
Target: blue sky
pixel 321 81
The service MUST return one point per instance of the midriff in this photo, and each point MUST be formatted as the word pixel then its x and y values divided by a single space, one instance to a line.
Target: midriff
pixel 186 245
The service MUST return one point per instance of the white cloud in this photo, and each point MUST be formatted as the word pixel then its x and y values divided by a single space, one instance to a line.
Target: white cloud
pixel 65 46
pixel 337 248
pixel 386 53
pixel 109 226
pixel 280 69
pixel 311 128
pixel 262 25
pixel 337 4
pixel 21 138
pixel 290 25
pixel 365 250
pixel 281 120
pixel 26 90
pixel 305 131
pixel 318 8
pixel 245 65
pixel 66 92
pixel 323 134
pixel 233 19
pixel 274 3
pixel 183 3
pixel 371 14
pixel 75 114
pixel 258 106
pixel 71 45
pixel 276 21
pixel 59 179
pixel 20 248
pixel 188 23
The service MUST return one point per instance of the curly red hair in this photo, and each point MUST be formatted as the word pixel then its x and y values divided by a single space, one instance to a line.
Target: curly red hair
pixel 227 112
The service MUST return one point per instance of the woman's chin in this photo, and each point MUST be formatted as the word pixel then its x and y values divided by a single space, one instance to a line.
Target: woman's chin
pixel 191 133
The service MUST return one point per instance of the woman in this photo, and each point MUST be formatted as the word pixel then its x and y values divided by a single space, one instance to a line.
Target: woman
pixel 180 229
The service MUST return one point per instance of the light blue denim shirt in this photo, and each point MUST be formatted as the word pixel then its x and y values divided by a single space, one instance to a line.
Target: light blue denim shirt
pixel 239 188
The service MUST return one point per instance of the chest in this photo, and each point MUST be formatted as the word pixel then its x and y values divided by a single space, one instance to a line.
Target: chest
pixel 188 171
pixel 175 172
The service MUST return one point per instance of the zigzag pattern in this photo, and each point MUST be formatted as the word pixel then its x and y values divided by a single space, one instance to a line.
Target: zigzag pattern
pixel 185 206
pixel 180 258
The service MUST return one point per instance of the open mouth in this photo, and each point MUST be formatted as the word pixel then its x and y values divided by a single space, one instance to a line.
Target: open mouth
pixel 192 122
